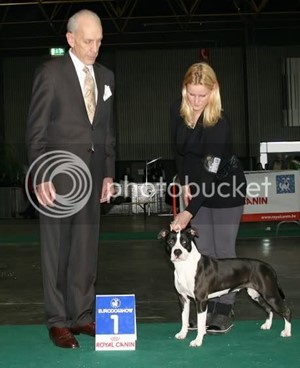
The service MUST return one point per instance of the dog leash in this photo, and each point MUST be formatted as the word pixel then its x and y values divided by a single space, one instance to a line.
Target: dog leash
pixel 174 200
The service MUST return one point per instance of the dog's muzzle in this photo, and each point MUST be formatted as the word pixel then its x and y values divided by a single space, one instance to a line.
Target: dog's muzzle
pixel 177 255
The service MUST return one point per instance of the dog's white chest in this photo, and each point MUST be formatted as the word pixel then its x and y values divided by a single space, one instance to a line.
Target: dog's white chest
pixel 185 264
pixel 184 275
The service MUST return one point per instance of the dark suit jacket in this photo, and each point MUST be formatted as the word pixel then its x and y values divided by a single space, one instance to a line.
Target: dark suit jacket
pixel 58 119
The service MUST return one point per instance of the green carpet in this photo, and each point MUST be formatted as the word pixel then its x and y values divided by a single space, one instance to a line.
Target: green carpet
pixel 245 346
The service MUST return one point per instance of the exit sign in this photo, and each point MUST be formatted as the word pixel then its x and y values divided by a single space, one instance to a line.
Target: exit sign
pixel 57 51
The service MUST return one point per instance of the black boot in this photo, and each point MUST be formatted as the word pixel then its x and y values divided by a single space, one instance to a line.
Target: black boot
pixel 222 320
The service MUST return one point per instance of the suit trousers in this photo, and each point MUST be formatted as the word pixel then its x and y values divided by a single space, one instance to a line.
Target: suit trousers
pixel 69 252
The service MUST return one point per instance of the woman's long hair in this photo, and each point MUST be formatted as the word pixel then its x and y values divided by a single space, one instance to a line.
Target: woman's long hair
pixel 202 73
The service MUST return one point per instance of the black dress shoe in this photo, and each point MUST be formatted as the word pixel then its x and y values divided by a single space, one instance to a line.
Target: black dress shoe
pixel 63 338
pixel 88 329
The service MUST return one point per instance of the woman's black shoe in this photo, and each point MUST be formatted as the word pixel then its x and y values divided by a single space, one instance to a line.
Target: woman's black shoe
pixel 220 324
pixel 222 319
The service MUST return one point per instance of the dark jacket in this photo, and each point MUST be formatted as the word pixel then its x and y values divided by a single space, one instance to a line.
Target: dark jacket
pixel 204 156
pixel 58 119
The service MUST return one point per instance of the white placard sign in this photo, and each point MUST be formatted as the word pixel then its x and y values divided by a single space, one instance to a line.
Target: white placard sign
pixel 115 322
pixel 272 196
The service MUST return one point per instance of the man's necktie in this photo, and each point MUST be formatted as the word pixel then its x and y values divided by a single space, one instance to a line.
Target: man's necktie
pixel 89 94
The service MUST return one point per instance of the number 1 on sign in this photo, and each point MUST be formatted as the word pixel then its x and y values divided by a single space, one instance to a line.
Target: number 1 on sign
pixel 115 318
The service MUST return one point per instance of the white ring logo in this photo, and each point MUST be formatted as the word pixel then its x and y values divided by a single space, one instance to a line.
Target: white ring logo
pixel 53 163
pixel 115 303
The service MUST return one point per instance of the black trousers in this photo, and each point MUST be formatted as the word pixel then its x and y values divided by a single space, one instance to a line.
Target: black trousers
pixel 69 254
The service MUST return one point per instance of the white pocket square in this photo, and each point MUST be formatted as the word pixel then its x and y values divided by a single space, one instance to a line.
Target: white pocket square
pixel 107 93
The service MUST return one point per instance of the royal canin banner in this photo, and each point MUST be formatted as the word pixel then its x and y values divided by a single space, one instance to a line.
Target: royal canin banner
pixel 272 196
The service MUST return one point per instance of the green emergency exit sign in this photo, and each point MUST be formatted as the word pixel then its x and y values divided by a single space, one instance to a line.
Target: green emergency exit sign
pixel 57 51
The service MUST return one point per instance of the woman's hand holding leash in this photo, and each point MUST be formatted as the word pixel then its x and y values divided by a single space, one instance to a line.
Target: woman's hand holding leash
pixel 181 221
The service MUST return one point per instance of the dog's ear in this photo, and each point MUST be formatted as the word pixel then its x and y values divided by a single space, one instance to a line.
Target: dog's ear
pixel 193 232
pixel 163 233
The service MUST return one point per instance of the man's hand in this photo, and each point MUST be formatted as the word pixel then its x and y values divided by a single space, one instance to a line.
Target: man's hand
pixel 108 190
pixel 46 193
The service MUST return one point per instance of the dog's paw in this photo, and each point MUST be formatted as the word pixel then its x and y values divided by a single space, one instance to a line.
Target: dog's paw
pixel 266 326
pixel 196 343
pixel 181 335
pixel 285 333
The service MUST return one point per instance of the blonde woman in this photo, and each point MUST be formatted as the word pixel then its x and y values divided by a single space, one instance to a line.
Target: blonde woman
pixel 211 177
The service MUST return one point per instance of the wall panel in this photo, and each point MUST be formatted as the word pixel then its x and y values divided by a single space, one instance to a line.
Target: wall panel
pixel 17 82
pixel 148 81
pixel 228 64
pixel 265 85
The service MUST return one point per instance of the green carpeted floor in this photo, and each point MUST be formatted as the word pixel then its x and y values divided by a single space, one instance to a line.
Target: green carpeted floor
pixel 246 346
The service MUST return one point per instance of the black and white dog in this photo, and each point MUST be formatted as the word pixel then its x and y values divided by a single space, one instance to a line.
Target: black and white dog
pixel 200 278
